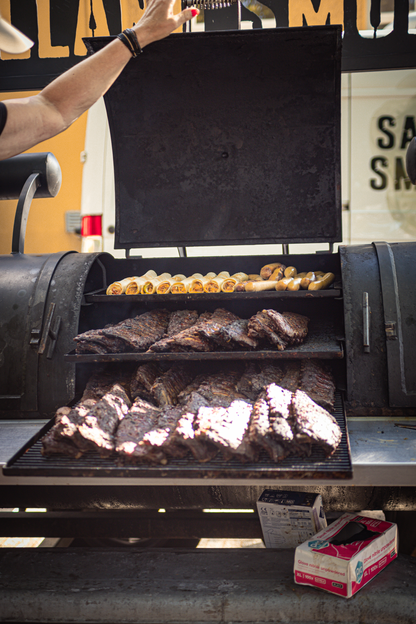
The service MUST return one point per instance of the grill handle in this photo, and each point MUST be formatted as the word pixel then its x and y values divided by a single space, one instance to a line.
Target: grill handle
pixel 366 323
pixel 24 177
pixel 15 171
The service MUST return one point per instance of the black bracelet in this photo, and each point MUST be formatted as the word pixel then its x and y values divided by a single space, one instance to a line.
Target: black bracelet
pixel 129 38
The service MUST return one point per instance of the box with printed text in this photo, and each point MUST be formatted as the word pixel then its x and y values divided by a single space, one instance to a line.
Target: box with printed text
pixel 345 556
pixel 289 518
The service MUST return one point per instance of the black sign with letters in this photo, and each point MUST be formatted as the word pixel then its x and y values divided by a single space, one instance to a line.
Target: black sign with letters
pixel 60 27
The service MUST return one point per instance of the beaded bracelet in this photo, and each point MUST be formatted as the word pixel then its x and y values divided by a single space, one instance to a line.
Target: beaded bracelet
pixel 129 38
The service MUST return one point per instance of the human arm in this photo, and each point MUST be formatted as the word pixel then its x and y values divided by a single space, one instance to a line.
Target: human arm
pixel 42 116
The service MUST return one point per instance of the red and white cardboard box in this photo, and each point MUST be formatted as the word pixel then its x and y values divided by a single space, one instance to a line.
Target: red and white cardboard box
pixel 346 555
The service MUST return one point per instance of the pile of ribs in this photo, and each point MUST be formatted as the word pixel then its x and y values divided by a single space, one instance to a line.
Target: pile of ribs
pixel 160 411
pixel 161 331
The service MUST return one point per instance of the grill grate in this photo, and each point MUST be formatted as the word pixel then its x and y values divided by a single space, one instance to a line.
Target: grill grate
pixel 30 462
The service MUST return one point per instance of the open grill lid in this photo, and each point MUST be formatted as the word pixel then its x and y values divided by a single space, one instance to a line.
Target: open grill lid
pixel 228 138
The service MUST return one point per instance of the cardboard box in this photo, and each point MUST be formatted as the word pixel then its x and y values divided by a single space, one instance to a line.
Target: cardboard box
pixel 289 518
pixel 346 555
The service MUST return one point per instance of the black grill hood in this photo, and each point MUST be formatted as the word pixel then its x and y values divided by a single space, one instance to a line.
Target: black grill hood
pixel 226 138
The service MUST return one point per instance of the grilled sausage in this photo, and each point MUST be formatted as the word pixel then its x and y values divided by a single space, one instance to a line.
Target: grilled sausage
pixel 260 286
pixel 278 273
pixel 322 282
pixel 267 270
pixel 283 283
pixel 290 271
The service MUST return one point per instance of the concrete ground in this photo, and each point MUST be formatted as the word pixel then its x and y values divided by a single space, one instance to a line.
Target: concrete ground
pixel 207 585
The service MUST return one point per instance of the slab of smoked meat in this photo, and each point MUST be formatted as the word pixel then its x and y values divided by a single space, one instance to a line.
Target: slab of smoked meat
pixel 198 337
pixel 288 328
pixel 141 418
pixel 261 433
pixel 60 439
pixel 220 389
pixel 180 320
pixel 235 336
pixel 158 442
pixel 279 400
pixel 257 376
pixel 140 332
pixel 94 341
pixel 226 428
pixel 143 379
pixel 318 382
pixel 186 340
pixel 167 387
pixel 313 424
pixel 184 434
pixel 98 426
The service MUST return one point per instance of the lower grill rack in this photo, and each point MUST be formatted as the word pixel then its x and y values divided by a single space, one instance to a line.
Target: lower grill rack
pixel 30 462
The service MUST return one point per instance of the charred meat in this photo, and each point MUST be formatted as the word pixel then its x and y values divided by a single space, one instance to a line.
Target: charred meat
pixel 167 387
pixel 180 320
pixel 142 417
pixel 88 426
pixel 257 376
pixel 313 424
pixel 227 428
pixel 131 335
pixel 279 329
pixel 235 336
pixel 317 381
pixel 143 379
pixel 97 428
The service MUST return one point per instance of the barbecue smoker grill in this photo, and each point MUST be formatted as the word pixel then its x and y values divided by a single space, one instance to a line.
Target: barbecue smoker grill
pixel 219 138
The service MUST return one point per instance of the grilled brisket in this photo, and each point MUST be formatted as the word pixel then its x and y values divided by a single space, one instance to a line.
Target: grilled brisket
pixel 167 386
pixel 140 332
pixel 142 417
pixel 227 428
pixel 280 329
pixel 158 442
pixel 90 425
pixel 143 379
pixel 317 381
pixel 199 337
pixel 97 428
pixel 261 434
pixel 313 424
pixel 60 439
pixel 180 320
pixel 131 335
pixel 184 435
pixel 235 336
pixel 257 376
pixel 220 389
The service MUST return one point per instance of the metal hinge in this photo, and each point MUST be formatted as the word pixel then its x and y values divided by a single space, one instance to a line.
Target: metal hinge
pixel 391 330
pixel 34 337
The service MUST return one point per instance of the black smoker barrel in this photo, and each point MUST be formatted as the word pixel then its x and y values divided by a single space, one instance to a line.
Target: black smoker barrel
pixel 40 298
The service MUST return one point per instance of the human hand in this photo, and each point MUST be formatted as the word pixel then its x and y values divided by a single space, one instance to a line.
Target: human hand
pixel 158 21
